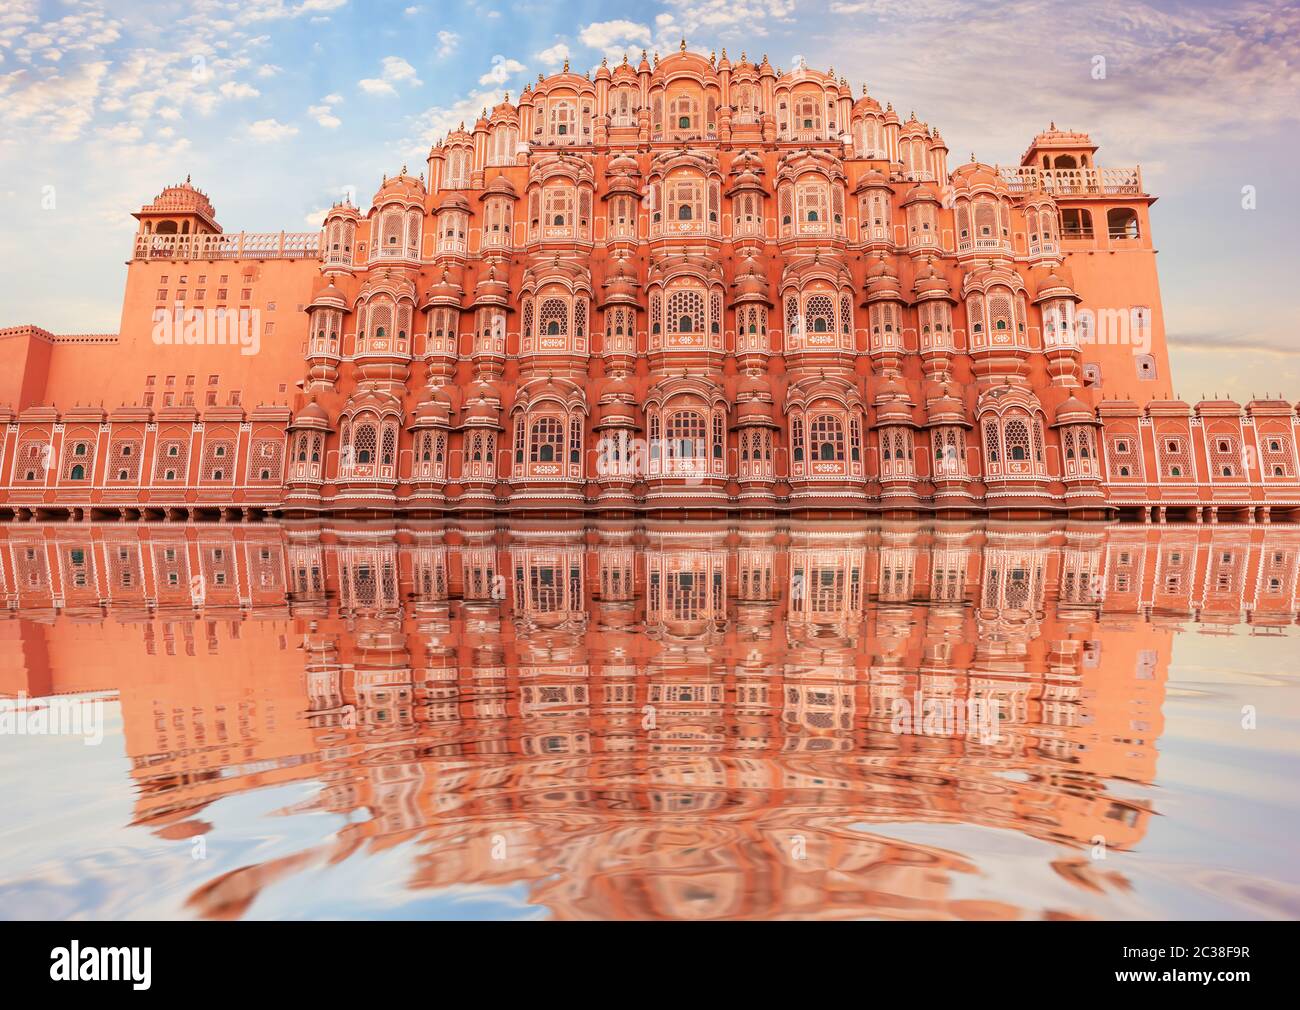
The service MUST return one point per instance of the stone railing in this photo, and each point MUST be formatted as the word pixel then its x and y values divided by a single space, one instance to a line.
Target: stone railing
pixel 1065 182
pixel 281 245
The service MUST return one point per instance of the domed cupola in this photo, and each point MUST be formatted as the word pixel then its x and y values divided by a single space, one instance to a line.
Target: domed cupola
pixel 756 432
pixel 982 211
pixel 885 304
pixel 1056 301
pixel 308 432
pixel 948 425
pixel 921 207
pixel 396 220
pixel 339 235
pixel 932 293
pixel 446 290
pixel 896 432
pixel 1079 430
pixel 325 314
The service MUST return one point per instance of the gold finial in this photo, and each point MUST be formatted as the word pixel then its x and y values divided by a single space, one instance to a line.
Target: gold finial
pixel 506 100
pixel 604 61
pixel 625 59
pixel 683 45
pixel 566 66
pixel 403 168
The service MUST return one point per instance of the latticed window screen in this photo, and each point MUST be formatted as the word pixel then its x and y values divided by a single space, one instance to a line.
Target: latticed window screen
pixel 1125 459
pixel 686 312
pixel 546 440
pixel 77 454
pixel 172 459
pixel 827 437
pixel 1175 461
pixel 1275 454
pixel 124 461
pixel 218 458
pixel 364 444
pixel 1225 455
pixel 575 440
pixel 265 460
pixel 554 318
pixel 992 443
pixel 686 434
pixel 1016 439
pixel 29 466
pixel 819 314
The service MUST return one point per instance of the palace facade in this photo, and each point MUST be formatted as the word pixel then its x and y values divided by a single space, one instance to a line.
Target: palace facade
pixel 686 285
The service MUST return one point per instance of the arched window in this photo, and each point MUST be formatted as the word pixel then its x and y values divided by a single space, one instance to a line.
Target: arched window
pixel 827 437
pixel 546 440
pixel 686 311
pixel 1016 437
pixel 364 442
pixel 78 472
pixel 1122 223
pixel 686 433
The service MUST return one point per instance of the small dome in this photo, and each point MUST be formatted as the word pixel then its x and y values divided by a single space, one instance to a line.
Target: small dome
pixel 453 201
pixel 1052 285
pixel 313 411
pixel 445 291
pixel 882 281
pixel 500 186
pixel 403 188
pixel 930 281
pixel 1074 411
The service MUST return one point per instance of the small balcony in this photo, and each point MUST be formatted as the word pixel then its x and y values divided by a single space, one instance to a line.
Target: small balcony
pixel 684 229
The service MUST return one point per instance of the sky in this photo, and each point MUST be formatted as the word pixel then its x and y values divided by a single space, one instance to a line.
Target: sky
pixel 277 108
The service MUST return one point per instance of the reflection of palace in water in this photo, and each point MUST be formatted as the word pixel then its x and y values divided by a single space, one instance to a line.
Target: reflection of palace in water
pixel 640 720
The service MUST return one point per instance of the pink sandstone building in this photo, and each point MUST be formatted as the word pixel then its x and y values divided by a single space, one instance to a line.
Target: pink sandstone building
pixel 690 285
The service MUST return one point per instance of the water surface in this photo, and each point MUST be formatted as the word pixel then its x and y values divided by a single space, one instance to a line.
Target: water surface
pixel 620 720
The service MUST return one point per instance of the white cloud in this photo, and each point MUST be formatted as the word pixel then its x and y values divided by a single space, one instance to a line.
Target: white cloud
pixel 270 130
pixel 502 68
pixel 396 69
pixel 237 89
pixel 324 116
pixel 447 43
pixel 611 34
pixel 121 132
pixel 555 55
pixel 392 70
pixel 324 112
